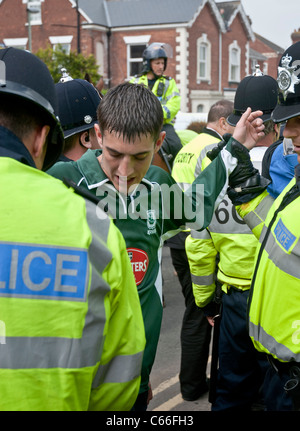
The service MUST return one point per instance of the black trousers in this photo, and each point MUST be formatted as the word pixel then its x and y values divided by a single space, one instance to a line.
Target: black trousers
pixel 195 334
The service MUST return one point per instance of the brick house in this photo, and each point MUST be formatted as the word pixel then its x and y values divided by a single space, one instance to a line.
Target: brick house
pixel 213 44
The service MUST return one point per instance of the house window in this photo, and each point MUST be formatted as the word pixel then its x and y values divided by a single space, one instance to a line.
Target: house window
pixel 63 41
pixel 36 15
pixel 135 59
pixel 20 42
pixel 234 62
pixel 200 108
pixel 135 48
pixel 203 59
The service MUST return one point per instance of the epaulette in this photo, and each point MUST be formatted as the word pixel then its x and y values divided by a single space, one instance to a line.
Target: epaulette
pixel 81 191
pixel 167 77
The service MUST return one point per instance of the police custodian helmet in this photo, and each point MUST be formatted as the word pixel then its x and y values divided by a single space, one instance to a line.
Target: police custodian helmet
pixel 257 91
pixel 78 101
pixel 26 76
pixel 288 80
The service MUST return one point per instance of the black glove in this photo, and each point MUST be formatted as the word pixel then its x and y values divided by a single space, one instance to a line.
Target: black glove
pixel 212 154
pixel 245 182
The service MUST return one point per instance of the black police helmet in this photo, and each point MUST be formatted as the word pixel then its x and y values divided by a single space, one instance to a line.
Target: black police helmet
pixel 77 105
pixel 153 51
pixel 259 92
pixel 288 80
pixel 26 76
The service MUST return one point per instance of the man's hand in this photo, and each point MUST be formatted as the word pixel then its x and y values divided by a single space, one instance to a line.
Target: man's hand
pixel 249 128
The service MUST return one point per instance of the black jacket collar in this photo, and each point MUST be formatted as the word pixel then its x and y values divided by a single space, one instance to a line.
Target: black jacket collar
pixel 11 146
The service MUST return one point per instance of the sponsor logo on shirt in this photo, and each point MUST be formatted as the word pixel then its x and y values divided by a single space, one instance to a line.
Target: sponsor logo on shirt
pixel 139 262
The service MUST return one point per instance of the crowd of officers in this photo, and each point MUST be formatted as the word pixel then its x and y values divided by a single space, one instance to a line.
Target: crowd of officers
pixel 81 293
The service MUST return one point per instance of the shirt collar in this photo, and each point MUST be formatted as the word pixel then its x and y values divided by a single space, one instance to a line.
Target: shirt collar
pixel 94 175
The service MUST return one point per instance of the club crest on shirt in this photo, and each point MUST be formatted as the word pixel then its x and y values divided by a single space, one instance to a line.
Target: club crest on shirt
pixel 151 222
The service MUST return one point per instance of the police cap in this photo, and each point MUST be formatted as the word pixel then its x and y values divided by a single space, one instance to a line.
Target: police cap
pixel 288 79
pixel 23 75
pixel 259 92
pixel 78 101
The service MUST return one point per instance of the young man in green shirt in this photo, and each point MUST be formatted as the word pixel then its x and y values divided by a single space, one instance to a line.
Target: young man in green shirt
pixel 145 202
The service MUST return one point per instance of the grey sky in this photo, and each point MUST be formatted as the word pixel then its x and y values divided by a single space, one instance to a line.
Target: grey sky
pixel 275 20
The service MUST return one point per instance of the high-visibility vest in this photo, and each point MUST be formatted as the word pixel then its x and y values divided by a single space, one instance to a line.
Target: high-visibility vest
pixel 71 327
pixel 189 161
pixel 166 90
pixel 274 297
pixel 227 235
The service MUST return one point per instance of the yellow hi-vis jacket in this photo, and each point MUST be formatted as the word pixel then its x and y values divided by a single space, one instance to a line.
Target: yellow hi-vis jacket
pixel 227 236
pixel 71 327
pixel 191 159
pixel 169 97
pixel 274 320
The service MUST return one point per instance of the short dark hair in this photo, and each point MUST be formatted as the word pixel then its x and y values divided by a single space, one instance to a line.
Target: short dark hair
pixel 131 111
pixel 222 108
pixel 20 116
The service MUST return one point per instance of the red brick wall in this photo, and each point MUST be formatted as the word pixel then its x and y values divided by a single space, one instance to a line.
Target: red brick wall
pixel 273 61
pixel 58 19
pixel 236 32
pixel 205 23
pixel 119 51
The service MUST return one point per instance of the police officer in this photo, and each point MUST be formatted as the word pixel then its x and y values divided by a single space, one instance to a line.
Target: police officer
pixel 78 100
pixel 222 257
pixel 273 314
pixel 155 59
pixel 195 334
pixel 71 328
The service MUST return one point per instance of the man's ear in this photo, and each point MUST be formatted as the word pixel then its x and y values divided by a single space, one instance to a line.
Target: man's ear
pixel 38 145
pixel 85 140
pixel 98 134
pixel 159 141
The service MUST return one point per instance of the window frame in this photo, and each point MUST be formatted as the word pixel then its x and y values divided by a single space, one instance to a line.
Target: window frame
pixel 61 40
pixel 131 41
pixel 203 42
pixel 234 47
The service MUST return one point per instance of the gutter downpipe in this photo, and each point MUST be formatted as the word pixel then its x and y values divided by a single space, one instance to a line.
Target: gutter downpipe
pixel 220 61
pixel 108 34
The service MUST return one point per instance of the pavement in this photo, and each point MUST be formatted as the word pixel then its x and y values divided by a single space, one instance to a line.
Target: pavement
pixel 164 377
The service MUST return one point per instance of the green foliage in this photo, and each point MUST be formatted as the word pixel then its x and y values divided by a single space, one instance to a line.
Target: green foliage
pixel 77 65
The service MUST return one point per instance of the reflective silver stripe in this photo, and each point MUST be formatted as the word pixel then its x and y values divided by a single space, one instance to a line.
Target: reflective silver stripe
pixel 269 342
pixel 120 369
pixel 170 96
pixel 203 280
pixel 50 352
pixel 253 219
pixel 167 110
pixel 184 186
pixel 203 234
pixel 286 262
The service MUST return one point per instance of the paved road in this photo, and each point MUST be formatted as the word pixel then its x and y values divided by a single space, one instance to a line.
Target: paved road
pixel 164 378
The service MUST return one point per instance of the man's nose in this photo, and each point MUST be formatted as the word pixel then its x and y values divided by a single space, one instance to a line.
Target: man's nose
pixel 126 166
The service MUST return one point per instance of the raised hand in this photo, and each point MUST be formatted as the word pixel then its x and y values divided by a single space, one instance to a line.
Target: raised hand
pixel 249 128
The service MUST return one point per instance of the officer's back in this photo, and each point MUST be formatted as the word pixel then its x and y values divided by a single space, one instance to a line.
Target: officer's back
pixel 68 300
